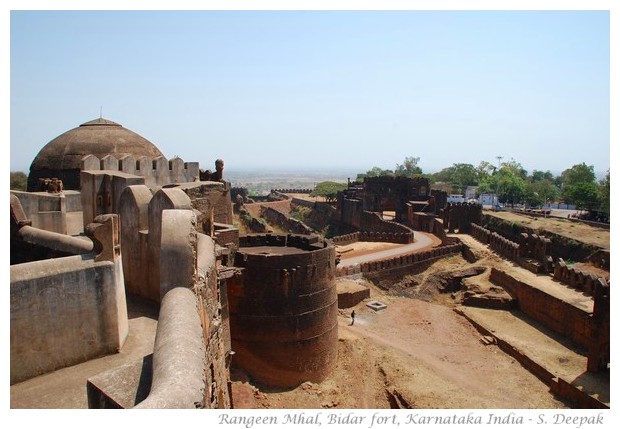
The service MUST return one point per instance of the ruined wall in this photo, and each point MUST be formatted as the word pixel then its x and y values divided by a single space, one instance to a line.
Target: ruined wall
pixel 156 172
pixel 400 262
pixel 573 277
pixel 283 309
pixel 210 199
pixel 557 315
pixel 460 216
pixel 285 222
pixel 68 310
pixel 373 222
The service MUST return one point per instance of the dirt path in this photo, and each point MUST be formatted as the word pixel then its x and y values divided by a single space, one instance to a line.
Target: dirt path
pixel 358 255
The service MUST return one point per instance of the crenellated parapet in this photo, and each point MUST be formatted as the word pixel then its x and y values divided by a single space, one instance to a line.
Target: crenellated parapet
pixel 503 246
pixel 460 216
pixel 284 308
pixel 480 233
pixel 157 171
pixel 578 279
pixel 292 191
pixel 402 261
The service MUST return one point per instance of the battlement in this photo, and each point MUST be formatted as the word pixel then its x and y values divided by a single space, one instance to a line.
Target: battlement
pixel 156 171
pixel 411 259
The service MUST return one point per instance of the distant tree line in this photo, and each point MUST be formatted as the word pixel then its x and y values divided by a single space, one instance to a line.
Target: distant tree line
pixel 576 185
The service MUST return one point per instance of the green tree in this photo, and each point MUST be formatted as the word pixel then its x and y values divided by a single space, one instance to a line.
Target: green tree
pixel 578 173
pixel 604 187
pixel 373 172
pixel 539 192
pixel 458 177
pixel 409 167
pixel 579 187
pixel 328 190
pixel 509 181
pixel 19 181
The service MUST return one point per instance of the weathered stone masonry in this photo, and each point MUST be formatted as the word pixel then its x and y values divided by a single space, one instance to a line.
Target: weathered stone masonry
pixel 283 309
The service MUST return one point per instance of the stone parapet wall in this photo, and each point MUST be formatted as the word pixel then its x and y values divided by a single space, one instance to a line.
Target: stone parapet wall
pixel 68 310
pixel 284 308
pixel 573 277
pixel 292 191
pixel 480 233
pixel 409 260
pixel 373 222
pixel 504 247
pixel 345 239
pixel 285 222
pixel 156 172
pixel 557 315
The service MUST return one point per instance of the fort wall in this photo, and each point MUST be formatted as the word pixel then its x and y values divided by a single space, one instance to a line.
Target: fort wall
pixel 191 356
pixel 559 316
pixel 156 172
pixel 575 278
pixel 283 309
pixel 80 307
pixel 408 261
pixel 285 222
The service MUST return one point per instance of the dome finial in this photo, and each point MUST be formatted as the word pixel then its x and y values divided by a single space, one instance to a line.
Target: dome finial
pixel 100 112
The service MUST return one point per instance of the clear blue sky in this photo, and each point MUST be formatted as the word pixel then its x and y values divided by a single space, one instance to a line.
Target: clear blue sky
pixel 320 89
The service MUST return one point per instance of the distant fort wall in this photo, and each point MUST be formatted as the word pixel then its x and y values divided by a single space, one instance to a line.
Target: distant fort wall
pixel 285 222
pixel 407 261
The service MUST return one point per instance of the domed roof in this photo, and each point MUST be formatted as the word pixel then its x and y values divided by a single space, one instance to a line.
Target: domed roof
pixel 99 137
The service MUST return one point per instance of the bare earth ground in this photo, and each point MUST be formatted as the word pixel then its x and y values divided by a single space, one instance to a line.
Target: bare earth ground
pixel 574 230
pixel 413 354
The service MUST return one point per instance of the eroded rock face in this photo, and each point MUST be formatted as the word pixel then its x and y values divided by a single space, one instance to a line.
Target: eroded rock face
pixel 451 281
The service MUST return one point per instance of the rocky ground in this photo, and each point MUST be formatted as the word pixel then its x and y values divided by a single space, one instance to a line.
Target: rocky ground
pixel 416 353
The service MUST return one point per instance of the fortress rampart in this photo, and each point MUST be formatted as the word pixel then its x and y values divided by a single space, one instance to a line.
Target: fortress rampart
pixel 276 217
pixel 590 330
pixel 156 172
pixel 399 262
pixel 80 306
pixel 577 279
pixel 460 216
pixel 191 355
pixel 283 309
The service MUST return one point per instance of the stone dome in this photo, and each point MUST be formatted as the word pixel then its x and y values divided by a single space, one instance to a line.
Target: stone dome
pixel 62 156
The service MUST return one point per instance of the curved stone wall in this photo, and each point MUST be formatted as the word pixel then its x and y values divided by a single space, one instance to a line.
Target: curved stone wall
pixel 284 308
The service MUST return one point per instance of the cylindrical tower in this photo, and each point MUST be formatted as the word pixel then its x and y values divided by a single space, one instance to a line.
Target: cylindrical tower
pixel 284 308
